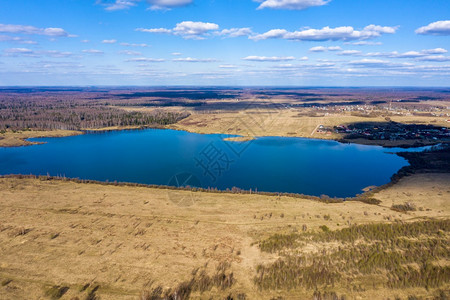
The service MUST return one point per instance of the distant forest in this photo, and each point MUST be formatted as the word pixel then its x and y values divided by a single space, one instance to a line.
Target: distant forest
pixel 69 111
pixel 75 108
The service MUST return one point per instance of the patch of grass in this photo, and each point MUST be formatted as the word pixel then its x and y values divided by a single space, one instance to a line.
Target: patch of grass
pixel 407 206
pixel 327 296
pixel 395 256
pixel 324 228
pixel 278 241
pixel 5 282
pixel 54 235
pixel 19 231
pixel 222 279
pixel 56 291
pixel 368 200
pixel 92 293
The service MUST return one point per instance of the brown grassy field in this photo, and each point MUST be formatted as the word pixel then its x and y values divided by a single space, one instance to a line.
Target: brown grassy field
pixel 68 239
pixel 18 138
pixel 288 122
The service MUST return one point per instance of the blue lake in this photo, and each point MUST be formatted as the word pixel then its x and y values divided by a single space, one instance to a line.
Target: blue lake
pixel 169 157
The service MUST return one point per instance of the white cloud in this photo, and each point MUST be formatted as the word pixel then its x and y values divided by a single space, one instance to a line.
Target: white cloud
pixel 304 67
pixel 190 59
pixel 435 58
pixel 18 51
pixel 55 32
pixel 109 41
pixel 228 66
pixel 113 5
pixel 186 29
pixel 93 51
pixel 268 58
pixel 194 29
pixel 118 4
pixel 318 49
pixel 16 39
pixel 85 41
pixel 271 34
pixel 154 30
pixel 24 29
pixel 436 28
pixel 55 53
pixel 304 58
pixel 165 4
pixel 290 4
pixel 145 59
pixel 129 52
pixel 236 32
pixel 323 49
pixel 350 52
pixel 176 53
pixel 133 45
pixel 365 43
pixel 409 54
pixel 343 33
pixel 334 48
pixel 56 65
pixel 377 63
pixel 32 53
pixel 286 66
pixel 435 51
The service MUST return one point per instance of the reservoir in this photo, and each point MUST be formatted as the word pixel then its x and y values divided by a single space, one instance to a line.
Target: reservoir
pixel 179 158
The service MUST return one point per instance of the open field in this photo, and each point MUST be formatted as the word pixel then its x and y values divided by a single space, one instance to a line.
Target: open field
pixel 287 123
pixel 299 113
pixel 114 242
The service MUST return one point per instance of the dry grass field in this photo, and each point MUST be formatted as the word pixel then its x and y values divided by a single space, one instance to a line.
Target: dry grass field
pixel 18 138
pixel 61 239
pixel 287 122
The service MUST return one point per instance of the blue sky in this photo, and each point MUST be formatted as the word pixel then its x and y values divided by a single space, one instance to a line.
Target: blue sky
pixel 225 42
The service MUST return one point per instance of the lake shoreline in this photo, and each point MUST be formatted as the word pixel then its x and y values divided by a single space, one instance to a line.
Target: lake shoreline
pixel 23 136
pixel 365 195
pixel 406 144
pixel 360 195
pixel 18 138
pixel 415 166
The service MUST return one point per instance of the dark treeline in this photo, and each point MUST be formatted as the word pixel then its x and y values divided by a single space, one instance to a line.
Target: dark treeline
pixel 434 160
pixel 186 94
pixel 73 112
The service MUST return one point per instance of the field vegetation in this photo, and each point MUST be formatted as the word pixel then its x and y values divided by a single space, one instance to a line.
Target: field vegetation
pixel 62 238
pixel 361 257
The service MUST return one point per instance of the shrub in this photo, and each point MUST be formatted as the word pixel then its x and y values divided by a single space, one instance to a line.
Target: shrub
pixel 324 228
pixel 56 292
pixel 407 206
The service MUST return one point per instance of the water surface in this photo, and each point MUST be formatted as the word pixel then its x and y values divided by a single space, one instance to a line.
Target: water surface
pixel 168 157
